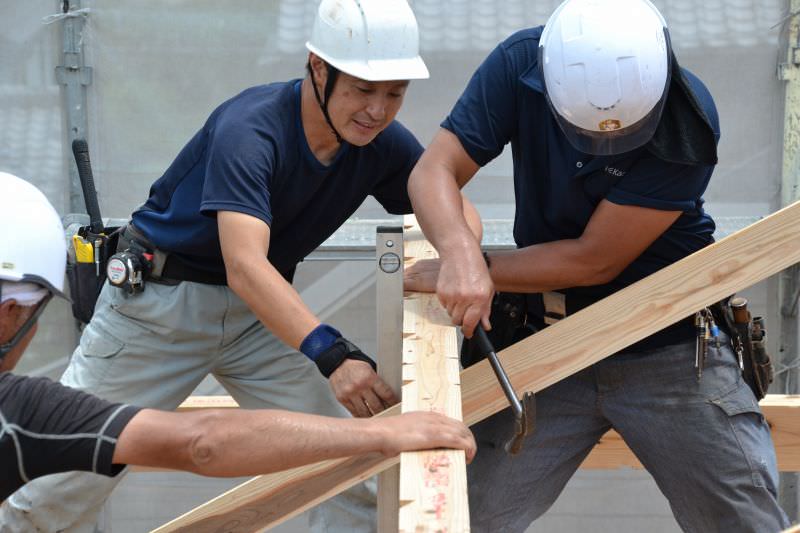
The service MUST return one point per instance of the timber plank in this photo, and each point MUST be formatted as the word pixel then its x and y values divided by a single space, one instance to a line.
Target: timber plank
pixel 732 264
pixel 782 412
pixel 433 484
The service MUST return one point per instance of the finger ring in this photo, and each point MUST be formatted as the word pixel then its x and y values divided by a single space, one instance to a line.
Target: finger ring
pixel 369 408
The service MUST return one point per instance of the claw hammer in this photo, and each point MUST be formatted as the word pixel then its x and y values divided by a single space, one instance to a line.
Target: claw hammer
pixel 524 410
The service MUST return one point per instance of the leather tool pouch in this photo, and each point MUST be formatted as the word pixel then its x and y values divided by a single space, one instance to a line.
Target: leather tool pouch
pixel 85 279
pixel 749 341
pixel 757 363
pixel 509 326
pixel 133 240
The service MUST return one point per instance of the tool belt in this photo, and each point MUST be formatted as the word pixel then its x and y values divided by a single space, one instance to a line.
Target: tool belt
pixel 164 267
pixel 509 325
pixel 87 259
pixel 513 320
pixel 517 316
pixel 749 341
pixel 88 266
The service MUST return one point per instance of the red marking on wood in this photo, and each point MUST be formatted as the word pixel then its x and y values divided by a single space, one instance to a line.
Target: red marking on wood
pixel 437 476
pixel 439 504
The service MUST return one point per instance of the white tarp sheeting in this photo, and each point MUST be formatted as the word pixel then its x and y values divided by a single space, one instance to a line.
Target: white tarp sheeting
pixel 161 66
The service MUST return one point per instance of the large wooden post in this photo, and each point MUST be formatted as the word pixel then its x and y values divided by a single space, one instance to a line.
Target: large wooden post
pixel 433 484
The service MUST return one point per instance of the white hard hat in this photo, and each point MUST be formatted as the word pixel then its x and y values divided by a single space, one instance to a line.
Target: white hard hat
pixel 606 68
pixel 32 243
pixel 375 40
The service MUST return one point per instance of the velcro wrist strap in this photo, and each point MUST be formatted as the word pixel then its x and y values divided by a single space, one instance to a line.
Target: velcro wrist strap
pixel 358 355
pixel 320 339
pixel 329 360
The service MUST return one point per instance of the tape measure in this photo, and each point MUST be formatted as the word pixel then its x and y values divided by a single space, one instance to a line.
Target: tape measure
pixel 127 270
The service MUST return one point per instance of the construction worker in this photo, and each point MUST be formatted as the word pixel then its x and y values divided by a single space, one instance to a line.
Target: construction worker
pixel 613 146
pixel 273 172
pixel 39 416
pixel 47 428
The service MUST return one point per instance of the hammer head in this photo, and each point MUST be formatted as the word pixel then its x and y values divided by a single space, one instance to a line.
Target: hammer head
pixel 524 424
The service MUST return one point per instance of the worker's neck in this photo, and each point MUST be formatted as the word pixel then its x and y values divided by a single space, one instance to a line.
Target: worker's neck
pixel 319 136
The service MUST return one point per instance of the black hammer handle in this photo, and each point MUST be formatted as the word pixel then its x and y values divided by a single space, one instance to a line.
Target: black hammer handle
pixel 486 347
pixel 81 152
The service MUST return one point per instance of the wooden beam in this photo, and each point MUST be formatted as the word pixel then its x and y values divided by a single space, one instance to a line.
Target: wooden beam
pixel 630 315
pixel 194 403
pixel 433 484
pixel 781 411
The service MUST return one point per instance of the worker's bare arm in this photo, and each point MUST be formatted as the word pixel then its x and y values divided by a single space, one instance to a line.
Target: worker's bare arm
pixel 244 240
pixel 434 189
pixel 615 236
pixel 464 287
pixel 472 218
pixel 251 442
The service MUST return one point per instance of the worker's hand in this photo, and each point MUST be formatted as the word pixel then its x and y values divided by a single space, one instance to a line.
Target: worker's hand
pixel 422 276
pixel 360 389
pixel 423 431
pixel 465 289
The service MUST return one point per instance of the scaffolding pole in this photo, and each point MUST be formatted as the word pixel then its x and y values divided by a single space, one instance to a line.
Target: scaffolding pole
pixel 74 76
pixel 787 376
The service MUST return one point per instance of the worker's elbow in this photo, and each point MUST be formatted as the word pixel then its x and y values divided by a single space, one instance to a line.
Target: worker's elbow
pixel 601 273
pixel 205 447
pixel 427 173
pixel 235 280
pixel 415 181
pixel 236 273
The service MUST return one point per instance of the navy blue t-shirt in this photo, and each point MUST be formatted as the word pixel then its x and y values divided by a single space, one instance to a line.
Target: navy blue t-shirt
pixel 252 157
pixel 557 188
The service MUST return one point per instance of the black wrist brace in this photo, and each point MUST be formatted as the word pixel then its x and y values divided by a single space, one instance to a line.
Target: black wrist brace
pixel 330 359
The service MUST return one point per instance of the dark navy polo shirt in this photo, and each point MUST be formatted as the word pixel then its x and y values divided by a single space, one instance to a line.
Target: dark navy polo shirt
pixel 252 157
pixel 557 188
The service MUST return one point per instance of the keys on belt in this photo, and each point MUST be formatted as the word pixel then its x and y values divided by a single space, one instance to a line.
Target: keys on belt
pixel 707 331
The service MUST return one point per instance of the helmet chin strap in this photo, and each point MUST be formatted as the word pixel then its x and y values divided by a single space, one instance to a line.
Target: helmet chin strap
pixel 333 74
pixel 9 345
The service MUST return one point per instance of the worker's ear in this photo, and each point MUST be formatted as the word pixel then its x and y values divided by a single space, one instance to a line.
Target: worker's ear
pixel 12 317
pixel 8 319
pixel 320 69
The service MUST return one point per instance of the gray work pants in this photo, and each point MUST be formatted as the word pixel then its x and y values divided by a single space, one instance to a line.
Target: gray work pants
pixel 705 442
pixel 152 349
